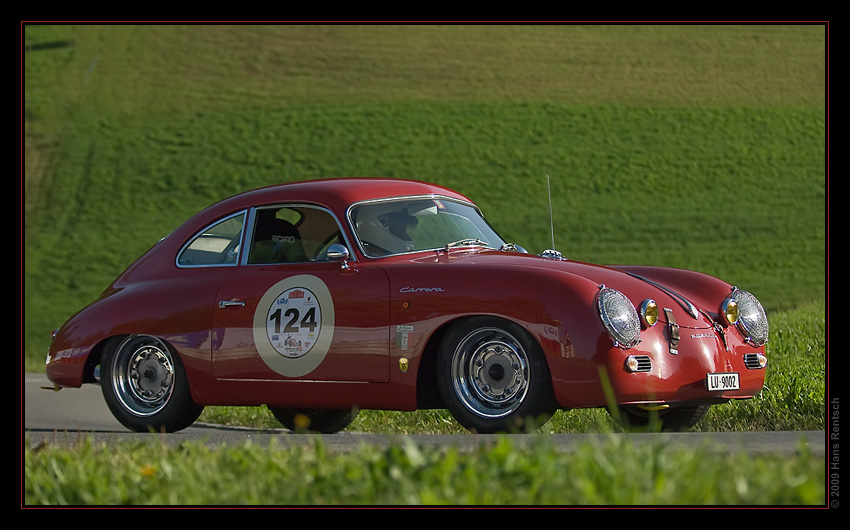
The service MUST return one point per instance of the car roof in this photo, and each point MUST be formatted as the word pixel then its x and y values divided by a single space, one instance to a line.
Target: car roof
pixel 337 193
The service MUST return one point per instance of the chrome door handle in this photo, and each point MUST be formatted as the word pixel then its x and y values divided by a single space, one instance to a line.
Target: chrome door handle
pixel 225 303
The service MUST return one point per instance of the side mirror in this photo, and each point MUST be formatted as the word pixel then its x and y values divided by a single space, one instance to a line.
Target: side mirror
pixel 337 252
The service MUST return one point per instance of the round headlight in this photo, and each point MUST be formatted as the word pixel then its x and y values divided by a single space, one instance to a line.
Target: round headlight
pixel 752 320
pixel 649 312
pixel 619 317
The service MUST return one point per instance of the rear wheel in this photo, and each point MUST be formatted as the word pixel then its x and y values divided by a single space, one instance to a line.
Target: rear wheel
pixel 494 378
pixel 672 419
pixel 323 421
pixel 145 387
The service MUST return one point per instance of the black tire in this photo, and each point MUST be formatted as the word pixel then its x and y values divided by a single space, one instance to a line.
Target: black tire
pixel 145 386
pixel 673 419
pixel 322 421
pixel 493 377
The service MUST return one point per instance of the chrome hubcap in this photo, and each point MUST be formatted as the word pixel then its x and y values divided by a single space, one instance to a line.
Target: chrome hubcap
pixel 143 377
pixel 490 372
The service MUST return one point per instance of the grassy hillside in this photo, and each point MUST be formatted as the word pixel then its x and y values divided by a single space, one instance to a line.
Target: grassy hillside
pixel 700 147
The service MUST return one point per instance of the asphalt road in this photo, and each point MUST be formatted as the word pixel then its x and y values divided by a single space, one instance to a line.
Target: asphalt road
pixel 65 417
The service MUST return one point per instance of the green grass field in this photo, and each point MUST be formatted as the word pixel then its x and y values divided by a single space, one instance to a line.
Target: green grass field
pixel 700 147
pixel 693 147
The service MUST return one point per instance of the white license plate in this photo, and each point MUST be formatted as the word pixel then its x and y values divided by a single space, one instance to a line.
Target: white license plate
pixel 721 382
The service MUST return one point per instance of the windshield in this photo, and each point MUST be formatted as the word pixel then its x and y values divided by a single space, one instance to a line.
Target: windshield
pixel 411 225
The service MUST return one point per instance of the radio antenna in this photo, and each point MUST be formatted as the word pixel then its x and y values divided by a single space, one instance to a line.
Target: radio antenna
pixel 551 218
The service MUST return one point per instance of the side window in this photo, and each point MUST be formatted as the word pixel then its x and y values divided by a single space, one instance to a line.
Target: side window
pixel 292 234
pixel 215 245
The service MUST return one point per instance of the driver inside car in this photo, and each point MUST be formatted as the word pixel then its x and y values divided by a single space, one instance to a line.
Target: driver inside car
pixel 386 233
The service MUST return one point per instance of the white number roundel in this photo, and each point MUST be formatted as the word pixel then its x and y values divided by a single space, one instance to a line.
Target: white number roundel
pixel 294 324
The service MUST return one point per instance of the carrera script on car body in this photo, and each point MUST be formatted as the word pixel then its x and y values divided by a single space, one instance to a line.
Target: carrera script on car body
pixel 322 298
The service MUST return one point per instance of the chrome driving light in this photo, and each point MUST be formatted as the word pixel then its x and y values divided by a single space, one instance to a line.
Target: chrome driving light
pixel 619 317
pixel 752 320
pixel 729 311
pixel 649 312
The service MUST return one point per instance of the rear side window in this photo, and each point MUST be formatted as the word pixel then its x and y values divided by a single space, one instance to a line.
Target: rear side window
pixel 216 245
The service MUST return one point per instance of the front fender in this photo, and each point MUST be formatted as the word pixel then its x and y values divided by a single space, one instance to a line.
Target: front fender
pixel 557 309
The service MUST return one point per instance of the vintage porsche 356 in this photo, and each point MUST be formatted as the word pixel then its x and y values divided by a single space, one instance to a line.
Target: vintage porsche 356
pixel 321 298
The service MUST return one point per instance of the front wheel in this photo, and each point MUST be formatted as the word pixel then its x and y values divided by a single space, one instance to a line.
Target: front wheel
pixel 145 387
pixel 494 378
pixel 322 421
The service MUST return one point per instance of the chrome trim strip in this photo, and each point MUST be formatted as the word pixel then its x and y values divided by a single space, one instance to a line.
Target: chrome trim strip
pixel 682 301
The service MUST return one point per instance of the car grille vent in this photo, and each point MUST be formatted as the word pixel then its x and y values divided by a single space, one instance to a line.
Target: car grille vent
pixel 644 363
pixel 751 361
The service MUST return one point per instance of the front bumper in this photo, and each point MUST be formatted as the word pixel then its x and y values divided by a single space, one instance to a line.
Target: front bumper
pixel 655 373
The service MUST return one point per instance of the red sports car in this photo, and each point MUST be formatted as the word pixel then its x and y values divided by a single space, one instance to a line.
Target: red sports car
pixel 321 298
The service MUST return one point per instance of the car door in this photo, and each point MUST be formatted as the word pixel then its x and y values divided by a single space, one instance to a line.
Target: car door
pixel 287 312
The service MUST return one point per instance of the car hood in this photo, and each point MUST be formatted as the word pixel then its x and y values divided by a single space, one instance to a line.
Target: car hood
pixel 693 297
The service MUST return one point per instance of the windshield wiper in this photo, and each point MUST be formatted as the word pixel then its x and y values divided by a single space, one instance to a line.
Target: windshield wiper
pixel 467 242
